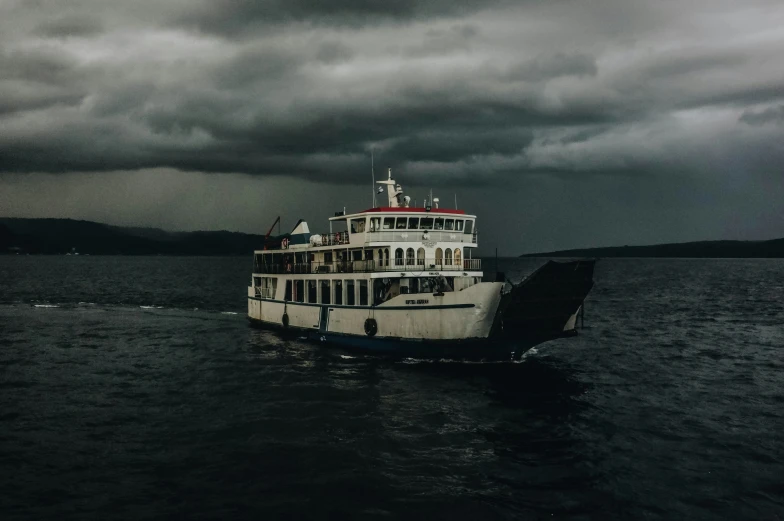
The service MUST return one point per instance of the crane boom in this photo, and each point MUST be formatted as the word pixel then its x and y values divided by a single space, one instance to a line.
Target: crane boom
pixel 270 231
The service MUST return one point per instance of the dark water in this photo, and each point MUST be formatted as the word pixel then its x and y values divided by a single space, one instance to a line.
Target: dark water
pixel 669 405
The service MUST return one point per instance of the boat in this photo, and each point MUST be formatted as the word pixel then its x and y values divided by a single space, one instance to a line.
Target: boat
pixel 403 280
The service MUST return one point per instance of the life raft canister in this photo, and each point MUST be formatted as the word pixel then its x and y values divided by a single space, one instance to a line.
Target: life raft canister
pixel 371 327
pixel 284 244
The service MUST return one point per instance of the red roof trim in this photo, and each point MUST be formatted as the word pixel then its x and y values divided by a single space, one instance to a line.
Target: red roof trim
pixel 414 210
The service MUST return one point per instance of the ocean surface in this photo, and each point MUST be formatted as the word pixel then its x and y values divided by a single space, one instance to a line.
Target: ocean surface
pixel 133 388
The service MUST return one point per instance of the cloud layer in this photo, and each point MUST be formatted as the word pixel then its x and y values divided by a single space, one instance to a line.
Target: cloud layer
pixel 448 92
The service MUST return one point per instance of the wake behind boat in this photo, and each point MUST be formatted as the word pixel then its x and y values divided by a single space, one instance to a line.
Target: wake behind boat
pixel 402 280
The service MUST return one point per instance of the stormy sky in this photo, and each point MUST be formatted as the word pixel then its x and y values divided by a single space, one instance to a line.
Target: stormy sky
pixel 561 123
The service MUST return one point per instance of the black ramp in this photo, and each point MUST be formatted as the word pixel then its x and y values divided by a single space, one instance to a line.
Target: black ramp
pixel 540 307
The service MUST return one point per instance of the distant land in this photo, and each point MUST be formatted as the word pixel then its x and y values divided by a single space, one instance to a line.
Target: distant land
pixel 703 249
pixel 60 236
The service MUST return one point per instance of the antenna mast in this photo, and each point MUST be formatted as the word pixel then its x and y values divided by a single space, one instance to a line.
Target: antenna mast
pixel 373 173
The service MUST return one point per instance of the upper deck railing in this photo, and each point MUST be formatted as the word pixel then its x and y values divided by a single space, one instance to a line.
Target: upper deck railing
pixel 420 235
pixel 370 266
pixel 343 238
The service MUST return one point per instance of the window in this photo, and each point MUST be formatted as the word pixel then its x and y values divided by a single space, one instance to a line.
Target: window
pixel 327 257
pixel 338 289
pixel 380 257
pixel 356 255
pixel 357 225
pixel 375 224
pixel 299 291
pixel 312 292
pixel 401 223
pixel 380 291
pixel 410 257
pixel 269 286
pixel 389 223
pixel 413 223
pixel 399 257
pixel 256 282
pixel 457 257
pixel 363 293
pixel 459 225
pixel 386 256
pixel 413 285
pixel 426 223
pixel 439 223
pixel 368 254
pixel 448 257
pixel 350 297
pixel 288 290
pixel 469 226
pixel 449 224
pixel 324 291
pixel 439 256
pixel 421 256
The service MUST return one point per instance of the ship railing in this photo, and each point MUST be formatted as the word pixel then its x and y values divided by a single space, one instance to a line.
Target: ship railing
pixel 372 266
pixel 421 235
pixel 333 239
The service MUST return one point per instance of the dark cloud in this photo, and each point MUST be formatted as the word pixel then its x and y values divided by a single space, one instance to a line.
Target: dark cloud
pixel 334 52
pixel 772 115
pixel 70 26
pixel 232 18
pixel 555 66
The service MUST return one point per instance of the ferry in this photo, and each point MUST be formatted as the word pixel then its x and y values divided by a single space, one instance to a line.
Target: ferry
pixel 404 280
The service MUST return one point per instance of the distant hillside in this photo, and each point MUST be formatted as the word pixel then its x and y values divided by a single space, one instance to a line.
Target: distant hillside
pixel 705 249
pixel 58 236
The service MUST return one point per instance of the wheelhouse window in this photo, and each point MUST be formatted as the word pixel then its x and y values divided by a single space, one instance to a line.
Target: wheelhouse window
pixel 439 223
pixel 459 225
pixel 401 223
pixel 389 223
pixel 375 224
pixel 426 223
pixel 413 223
pixel 357 225
pixel 469 226
pixel 449 224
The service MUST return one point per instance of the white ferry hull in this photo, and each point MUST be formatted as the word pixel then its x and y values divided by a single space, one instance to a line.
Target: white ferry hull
pixel 406 323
